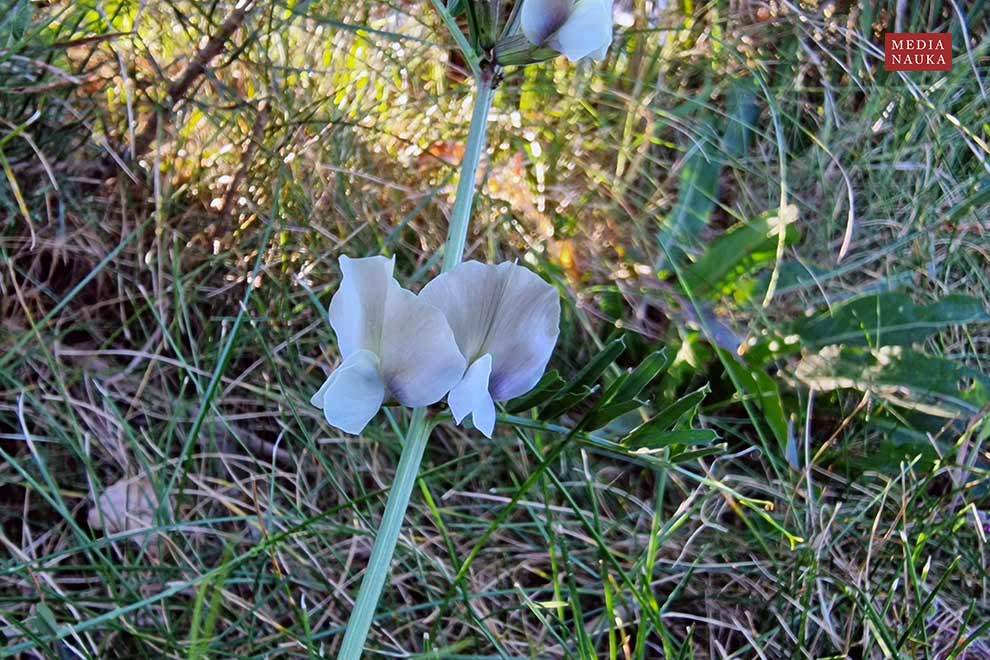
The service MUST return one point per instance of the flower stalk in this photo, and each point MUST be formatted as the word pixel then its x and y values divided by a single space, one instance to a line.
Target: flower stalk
pixel 388 535
pixel 418 434
pixel 460 216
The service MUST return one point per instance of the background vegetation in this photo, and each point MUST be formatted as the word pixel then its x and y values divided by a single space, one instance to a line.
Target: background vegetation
pixel 740 184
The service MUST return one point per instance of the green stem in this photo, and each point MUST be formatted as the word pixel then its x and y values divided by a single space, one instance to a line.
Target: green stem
pixel 419 430
pixel 460 217
pixel 388 535
pixel 462 43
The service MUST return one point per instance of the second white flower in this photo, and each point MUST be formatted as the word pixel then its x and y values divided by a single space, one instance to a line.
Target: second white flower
pixel 505 321
pixel 576 28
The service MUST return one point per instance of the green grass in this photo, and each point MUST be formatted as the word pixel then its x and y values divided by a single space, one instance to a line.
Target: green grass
pixel 169 323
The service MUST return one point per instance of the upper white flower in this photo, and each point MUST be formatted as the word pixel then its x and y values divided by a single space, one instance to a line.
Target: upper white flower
pixel 506 321
pixel 394 345
pixel 576 28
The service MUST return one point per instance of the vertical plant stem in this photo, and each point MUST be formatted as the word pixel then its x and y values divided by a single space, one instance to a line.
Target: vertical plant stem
pixel 419 430
pixel 388 535
pixel 460 217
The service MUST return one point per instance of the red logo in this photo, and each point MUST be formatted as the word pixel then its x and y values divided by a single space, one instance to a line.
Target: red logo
pixel 917 51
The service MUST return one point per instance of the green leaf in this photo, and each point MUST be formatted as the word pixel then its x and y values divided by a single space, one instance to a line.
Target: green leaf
pixel 697 194
pixel 903 377
pixel 698 189
pixel 762 390
pixel 980 200
pixel 738 252
pixel 691 454
pixel 667 419
pixel 896 442
pixel 548 387
pixel 48 625
pixel 199 642
pixel 683 409
pixel 630 385
pixel 565 400
pixel 602 415
pixel 880 319
pixel 591 371
pixel 658 438
pixel 887 319
pixel 17 21
pixel 620 397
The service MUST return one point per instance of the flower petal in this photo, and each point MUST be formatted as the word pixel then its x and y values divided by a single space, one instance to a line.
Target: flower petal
pixel 600 54
pixel 541 18
pixel 588 30
pixel 470 396
pixel 353 393
pixel 469 297
pixel 420 358
pixel 504 310
pixel 317 399
pixel 357 310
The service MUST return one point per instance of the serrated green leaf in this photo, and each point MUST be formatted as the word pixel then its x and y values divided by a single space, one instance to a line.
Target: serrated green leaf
pixel 548 387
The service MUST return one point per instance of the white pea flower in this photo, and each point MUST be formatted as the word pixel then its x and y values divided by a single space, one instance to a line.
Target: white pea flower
pixel 575 28
pixel 506 321
pixel 394 344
